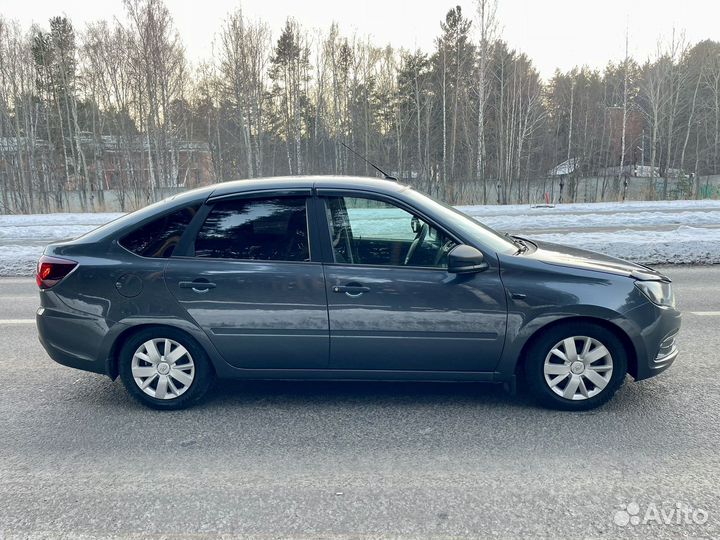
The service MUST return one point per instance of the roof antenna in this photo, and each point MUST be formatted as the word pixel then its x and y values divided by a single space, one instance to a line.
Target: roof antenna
pixel 386 176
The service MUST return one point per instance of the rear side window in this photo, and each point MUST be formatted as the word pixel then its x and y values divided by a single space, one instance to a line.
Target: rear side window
pixel 272 229
pixel 159 237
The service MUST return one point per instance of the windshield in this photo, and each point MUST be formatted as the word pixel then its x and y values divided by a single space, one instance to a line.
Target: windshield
pixel 464 224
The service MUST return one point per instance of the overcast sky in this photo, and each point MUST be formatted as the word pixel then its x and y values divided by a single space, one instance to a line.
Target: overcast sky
pixel 554 33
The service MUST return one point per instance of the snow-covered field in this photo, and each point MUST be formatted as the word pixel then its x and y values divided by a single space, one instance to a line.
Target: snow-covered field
pixel 672 232
pixel 660 232
pixel 24 237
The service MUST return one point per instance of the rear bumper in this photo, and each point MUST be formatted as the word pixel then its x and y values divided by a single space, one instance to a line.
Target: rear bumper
pixel 660 343
pixel 73 340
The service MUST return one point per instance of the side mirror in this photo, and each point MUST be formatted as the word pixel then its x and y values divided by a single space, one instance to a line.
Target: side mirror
pixel 464 259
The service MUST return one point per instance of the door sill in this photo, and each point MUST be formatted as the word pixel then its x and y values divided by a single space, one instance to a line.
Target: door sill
pixel 356 375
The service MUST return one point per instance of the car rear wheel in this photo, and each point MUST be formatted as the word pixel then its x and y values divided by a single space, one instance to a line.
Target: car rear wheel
pixel 163 368
pixel 575 366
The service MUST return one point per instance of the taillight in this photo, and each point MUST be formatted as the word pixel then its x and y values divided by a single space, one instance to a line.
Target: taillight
pixel 51 270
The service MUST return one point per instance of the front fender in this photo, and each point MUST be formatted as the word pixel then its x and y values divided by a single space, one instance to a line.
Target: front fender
pixel 541 294
pixel 521 330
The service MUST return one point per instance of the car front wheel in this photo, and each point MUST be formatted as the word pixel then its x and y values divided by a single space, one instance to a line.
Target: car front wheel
pixel 163 368
pixel 575 366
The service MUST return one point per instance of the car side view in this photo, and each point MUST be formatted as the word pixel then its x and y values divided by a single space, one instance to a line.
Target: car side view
pixel 344 278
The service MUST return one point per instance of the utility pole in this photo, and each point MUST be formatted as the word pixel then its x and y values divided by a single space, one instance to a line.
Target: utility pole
pixel 624 120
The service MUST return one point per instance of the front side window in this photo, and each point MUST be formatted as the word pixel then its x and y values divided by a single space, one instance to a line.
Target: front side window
pixel 159 237
pixel 373 232
pixel 271 229
pixel 463 224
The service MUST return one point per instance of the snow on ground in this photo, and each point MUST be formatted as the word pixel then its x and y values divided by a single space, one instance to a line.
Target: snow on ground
pixel 24 237
pixel 612 207
pixel 683 245
pixel 551 221
pixel 664 232
pixel 49 227
pixel 658 232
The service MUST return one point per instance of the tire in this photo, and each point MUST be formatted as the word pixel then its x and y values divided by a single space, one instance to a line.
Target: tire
pixel 551 373
pixel 186 372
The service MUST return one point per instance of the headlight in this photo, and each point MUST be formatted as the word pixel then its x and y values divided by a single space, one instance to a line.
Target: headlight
pixel 658 292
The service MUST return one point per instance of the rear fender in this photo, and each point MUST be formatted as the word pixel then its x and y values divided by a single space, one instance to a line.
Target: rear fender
pixel 119 332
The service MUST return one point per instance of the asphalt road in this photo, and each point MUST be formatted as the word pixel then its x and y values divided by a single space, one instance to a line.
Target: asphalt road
pixel 79 458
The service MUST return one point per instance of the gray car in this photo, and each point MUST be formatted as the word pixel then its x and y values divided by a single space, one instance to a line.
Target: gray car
pixel 344 278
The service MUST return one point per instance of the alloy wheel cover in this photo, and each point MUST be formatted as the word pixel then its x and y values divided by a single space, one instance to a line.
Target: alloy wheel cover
pixel 578 368
pixel 163 368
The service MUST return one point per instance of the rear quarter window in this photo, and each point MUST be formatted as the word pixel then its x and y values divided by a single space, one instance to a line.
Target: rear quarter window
pixel 159 237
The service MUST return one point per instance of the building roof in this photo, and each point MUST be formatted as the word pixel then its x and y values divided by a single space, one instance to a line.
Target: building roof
pixel 566 167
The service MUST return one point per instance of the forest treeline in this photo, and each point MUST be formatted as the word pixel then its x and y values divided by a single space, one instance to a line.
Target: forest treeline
pixel 115 105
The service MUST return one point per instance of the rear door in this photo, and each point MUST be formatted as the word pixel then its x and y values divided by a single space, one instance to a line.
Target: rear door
pixel 392 305
pixel 247 278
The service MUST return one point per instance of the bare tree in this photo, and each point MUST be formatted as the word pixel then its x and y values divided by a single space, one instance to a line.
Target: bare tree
pixel 244 50
pixel 487 28
pixel 623 176
pixel 159 68
pixel 113 112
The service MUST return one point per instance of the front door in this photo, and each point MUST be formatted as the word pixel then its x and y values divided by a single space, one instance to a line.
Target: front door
pixel 392 304
pixel 248 281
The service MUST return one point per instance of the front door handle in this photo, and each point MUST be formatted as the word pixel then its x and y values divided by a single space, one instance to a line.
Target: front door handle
pixel 352 290
pixel 198 286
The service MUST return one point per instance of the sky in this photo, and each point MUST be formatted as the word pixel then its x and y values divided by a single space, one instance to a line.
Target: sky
pixel 554 33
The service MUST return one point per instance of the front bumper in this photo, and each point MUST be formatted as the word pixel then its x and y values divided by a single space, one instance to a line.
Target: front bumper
pixel 660 339
pixel 667 353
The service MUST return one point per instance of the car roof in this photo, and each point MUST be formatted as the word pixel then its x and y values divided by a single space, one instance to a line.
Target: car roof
pixel 201 194
pixel 378 185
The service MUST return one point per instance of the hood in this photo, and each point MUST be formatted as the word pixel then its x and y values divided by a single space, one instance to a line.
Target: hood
pixel 560 255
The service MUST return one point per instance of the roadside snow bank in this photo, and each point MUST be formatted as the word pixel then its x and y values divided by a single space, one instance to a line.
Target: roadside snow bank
pixel 595 208
pixel 49 227
pixel 684 245
pixel 659 232
pixel 19 260
pixel 24 237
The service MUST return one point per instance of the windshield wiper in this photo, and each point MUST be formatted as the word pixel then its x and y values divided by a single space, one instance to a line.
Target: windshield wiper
pixel 522 246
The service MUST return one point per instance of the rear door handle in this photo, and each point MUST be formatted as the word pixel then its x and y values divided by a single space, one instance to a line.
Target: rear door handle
pixel 351 290
pixel 197 285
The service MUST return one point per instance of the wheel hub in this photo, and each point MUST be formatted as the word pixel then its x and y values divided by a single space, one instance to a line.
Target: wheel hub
pixel 163 368
pixel 578 367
